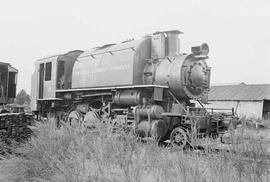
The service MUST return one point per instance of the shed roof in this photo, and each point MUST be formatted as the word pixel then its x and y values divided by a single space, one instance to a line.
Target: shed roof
pixel 240 92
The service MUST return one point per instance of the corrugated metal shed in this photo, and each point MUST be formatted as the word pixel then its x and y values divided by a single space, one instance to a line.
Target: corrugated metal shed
pixel 240 92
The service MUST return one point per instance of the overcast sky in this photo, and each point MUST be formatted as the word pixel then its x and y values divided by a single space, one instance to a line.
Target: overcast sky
pixel 237 31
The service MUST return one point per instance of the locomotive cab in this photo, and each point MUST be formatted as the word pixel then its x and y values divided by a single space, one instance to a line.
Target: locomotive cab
pixel 51 73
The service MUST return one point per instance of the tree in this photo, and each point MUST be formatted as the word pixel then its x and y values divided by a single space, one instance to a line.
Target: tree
pixel 22 98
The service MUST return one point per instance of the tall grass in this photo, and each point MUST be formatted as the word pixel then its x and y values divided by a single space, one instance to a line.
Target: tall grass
pixel 81 155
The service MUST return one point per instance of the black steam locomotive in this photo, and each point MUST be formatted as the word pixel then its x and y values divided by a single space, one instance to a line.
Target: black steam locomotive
pixel 145 84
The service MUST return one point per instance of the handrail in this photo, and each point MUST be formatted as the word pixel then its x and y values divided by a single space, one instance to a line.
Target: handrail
pixel 213 108
pixel 203 107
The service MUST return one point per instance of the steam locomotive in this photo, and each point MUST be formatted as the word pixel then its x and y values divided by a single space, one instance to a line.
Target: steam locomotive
pixel 145 84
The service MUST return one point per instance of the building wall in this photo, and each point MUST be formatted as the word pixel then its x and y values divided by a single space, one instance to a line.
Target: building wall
pixel 249 109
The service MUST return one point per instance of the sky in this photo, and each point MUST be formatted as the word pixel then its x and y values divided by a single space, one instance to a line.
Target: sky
pixel 237 31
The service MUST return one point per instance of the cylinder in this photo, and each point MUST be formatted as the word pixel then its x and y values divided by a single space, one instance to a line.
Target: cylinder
pixel 128 97
pixel 155 128
pixel 159 129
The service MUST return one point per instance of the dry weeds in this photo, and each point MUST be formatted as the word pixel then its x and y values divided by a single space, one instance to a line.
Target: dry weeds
pixel 79 155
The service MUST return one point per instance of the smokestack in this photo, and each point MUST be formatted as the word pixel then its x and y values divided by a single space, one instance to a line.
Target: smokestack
pixel 173 42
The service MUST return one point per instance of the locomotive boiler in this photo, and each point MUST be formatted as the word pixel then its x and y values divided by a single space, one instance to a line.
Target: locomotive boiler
pixel 144 84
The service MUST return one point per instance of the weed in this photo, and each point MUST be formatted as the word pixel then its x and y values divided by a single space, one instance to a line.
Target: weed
pixel 82 155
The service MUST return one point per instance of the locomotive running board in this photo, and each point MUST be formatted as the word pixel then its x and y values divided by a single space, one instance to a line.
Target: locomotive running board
pixel 112 88
pixel 49 99
pixel 172 114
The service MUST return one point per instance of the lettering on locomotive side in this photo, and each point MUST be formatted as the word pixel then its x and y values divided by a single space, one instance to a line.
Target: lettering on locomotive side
pixel 91 74
pixel 120 67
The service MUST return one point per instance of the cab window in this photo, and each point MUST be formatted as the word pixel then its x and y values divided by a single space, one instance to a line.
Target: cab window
pixel 61 74
pixel 48 71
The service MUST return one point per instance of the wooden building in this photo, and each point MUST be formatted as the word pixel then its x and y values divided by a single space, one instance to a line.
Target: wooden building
pixel 251 101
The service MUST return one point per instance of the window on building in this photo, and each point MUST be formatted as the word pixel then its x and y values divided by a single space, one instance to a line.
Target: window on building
pixel 48 71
